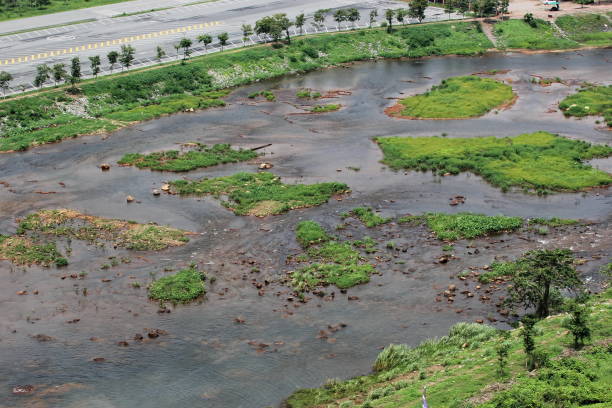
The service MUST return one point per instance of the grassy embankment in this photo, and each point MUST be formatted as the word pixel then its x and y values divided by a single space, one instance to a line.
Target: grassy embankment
pixel 538 161
pixel 181 287
pixel 519 34
pixel 461 371
pixel 260 194
pixel 199 156
pixel 456 98
pixel 588 29
pixel 590 100
pixel 55 6
pixel 34 242
pixel 340 263
pixel 115 101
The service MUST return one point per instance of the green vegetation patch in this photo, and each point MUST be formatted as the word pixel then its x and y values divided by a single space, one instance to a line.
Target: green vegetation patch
pixel 325 108
pixel 260 194
pixel 13 10
pixel 539 35
pixel 269 95
pixel 591 100
pixel 126 234
pixel 368 217
pixel 589 29
pixel 181 287
pixel 467 225
pixel 537 161
pixel 309 233
pixel 552 222
pixel 498 270
pixel 22 250
pixel 307 93
pixel 200 156
pixel 458 97
pixel 461 370
pixel 115 101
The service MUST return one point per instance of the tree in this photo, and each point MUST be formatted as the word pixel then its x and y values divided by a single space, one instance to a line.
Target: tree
pixel 160 53
pixel 5 79
pixel 300 20
pixel 502 349
pixel 389 15
pixel 503 6
pixel 373 15
pixel 269 26
pixel 340 16
pixel 463 6
pixel 417 9
pixel 449 7
pixel 223 37
pixel 319 16
pixel 353 15
pixel 247 31
pixel 95 65
pixel 126 56
pixel 185 44
pixel 75 71
pixel 42 75
pixel 539 277
pixel 284 24
pixel 205 39
pixel 112 57
pixel 400 14
pixel 578 323
pixel 528 342
pixel 59 72
pixel 177 47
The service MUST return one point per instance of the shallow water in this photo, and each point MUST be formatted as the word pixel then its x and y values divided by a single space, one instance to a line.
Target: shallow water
pixel 206 360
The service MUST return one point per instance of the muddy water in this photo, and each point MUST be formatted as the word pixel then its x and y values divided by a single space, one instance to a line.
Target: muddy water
pixel 206 359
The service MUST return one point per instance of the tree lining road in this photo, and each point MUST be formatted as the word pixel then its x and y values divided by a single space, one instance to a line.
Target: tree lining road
pixel 221 16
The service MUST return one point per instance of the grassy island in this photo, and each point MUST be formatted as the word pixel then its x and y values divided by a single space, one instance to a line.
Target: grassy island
pixel 181 287
pixel 456 98
pixel 260 194
pixel 537 161
pixel 591 100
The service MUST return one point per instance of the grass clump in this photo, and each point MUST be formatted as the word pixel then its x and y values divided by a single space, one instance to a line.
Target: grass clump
pixel 498 270
pixel 200 156
pixel 269 95
pixel 260 194
pixel 181 287
pixel 591 100
pixel 24 251
pixel 115 101
pixel 325 108
pixel 539 35
pixel 589 29
pixel 467 225
pixel 537 161
pixel 74 225
pixel 307 93
pixel 459 370
pixel 552 222
pixel 368 217
pixel 309 233
pixel 458 97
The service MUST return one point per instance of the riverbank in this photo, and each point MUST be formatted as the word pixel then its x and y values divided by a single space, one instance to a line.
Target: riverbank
pixel 107 104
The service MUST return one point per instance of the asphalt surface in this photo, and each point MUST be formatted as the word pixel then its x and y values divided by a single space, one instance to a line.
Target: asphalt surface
pixel 20 53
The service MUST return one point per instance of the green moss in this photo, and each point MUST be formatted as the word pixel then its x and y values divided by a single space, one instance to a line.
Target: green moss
pixel 260 193
pixel 468 225
pixel 309 233
pixel 463 365
pixel 458 97
pixel 200 156
pixel 368 217
pixel 519 34
pixel 538 161
pixel 181 287
pixel 589 29
pixel 113 101
pixel 591 100
pixel 325 108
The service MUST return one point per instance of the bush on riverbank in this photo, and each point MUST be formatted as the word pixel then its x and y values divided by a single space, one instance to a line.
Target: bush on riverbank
pixel 458 97
pixel 461 370
pixel 112 102
pixel 260 194
pixel 537 161
pixel 519 34
pixel 200 156
pixel 181 287
pixel 591 100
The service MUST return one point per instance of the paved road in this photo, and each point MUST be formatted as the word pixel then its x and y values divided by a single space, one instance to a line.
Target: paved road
pixel 21 53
